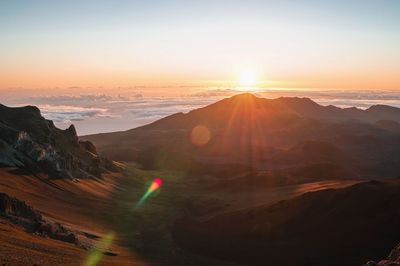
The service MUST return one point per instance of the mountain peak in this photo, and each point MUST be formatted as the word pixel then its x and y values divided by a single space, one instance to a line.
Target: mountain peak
pixel 381 107
pixel 245 95
pixel 244 99
pixel 297 100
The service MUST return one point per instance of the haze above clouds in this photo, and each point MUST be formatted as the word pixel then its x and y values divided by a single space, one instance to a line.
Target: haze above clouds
pixel 107 112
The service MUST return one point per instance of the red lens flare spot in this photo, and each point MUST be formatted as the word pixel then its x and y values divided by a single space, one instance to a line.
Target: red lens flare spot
pixel 158 181
pixel 155 184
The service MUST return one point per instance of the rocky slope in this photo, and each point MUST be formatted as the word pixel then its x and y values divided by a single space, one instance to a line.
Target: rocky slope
pixel 29 141
pixel 21 214
pixel 346 226
pixel 392 260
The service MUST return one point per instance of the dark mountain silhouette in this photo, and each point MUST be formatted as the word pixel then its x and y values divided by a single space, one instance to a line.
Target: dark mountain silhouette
pixel 264 134
pixel 30 142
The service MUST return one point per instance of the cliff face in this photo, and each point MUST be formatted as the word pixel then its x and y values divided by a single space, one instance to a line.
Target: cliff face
pixel 29 141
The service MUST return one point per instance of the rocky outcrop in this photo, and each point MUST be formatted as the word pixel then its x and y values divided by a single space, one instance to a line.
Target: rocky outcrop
pixel 87 145
pixel 392 260
pixel 28 140
pixel 21 214
pixel 13 208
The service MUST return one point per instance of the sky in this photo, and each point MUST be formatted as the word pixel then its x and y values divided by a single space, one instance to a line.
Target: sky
pixel 114 65
pixel 166 47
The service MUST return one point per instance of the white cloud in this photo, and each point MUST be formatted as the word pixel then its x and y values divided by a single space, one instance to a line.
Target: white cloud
pixel 66 114
pixel 93 113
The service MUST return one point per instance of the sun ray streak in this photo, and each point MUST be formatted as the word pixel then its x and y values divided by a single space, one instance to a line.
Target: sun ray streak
pixel 97 252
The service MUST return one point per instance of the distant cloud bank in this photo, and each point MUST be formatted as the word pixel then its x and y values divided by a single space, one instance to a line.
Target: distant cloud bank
pixel 94 113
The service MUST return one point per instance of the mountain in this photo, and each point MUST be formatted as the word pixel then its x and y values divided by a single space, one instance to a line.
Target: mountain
pixel 249 132
pixel 347 226
pixel 245 180
pixel 30 142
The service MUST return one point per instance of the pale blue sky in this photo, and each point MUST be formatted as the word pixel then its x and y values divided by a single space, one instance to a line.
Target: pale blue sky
pixel 337 44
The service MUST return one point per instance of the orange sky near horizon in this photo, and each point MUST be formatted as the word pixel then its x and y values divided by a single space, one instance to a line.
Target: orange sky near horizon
pixel 290 44
pixel 41 79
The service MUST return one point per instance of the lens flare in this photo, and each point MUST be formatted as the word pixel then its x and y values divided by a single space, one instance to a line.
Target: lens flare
pixel 97 252
pixel 156 184
pixel 200 135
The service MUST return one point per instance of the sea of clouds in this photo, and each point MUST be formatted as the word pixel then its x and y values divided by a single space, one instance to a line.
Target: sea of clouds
pixel 94 113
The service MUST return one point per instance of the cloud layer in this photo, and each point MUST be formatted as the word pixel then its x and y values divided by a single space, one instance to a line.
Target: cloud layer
pixel 94 113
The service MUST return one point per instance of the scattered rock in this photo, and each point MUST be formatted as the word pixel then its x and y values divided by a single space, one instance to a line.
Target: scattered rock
pixel 392 260
pixel 19 213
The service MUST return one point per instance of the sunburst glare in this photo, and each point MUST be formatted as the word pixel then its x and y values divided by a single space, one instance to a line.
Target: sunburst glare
pixel 248 79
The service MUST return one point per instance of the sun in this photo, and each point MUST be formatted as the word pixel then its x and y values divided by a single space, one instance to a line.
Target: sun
pixel 248 79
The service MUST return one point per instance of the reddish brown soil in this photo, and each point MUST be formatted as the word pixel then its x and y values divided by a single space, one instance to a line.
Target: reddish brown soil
pixel 80 206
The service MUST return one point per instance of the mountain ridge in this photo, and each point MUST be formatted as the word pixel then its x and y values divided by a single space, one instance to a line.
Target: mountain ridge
pixel 348 113
pixel 245 129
